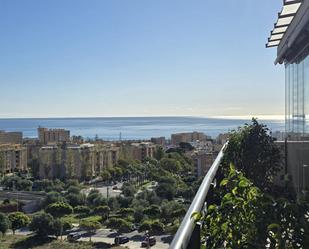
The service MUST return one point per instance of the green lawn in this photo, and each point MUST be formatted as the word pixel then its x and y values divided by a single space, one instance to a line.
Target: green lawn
pixel 22 242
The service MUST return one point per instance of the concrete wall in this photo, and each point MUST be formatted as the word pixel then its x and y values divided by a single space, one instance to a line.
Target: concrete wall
pixel 297 163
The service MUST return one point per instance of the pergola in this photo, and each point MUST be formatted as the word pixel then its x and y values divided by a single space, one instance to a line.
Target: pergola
pixel 285 18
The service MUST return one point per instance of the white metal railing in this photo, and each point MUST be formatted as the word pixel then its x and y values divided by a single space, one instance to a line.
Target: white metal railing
pixel 185 231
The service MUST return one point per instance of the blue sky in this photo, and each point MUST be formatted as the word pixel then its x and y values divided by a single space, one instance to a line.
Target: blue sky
pixel 138 58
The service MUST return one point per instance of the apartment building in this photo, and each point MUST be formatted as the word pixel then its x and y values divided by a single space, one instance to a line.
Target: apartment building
pixel 202 162
pixel 158 140
pixel 143 150
pixel 187 137
pixel 79 161
pixel 13 157
pixel 107 156
pixel 11 137
pixel 46 135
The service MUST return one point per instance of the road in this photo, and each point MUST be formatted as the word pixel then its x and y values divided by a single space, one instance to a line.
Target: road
pixel 108 236
pixel 106 190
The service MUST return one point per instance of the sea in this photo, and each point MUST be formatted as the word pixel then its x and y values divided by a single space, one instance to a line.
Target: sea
pixel 133 128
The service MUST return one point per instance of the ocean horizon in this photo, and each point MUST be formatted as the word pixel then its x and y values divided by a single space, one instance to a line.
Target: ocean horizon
pixel 133 128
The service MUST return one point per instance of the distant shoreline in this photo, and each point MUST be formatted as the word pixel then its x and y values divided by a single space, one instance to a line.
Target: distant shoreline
pixel 240 117
pixel 133 128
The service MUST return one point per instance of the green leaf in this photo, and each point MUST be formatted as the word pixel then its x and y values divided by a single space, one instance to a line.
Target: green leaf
pixel 211 208
pixel 224 227
pixel 234 191
pixel 243 184
pixel 197 216
pixel 227 197
pixel 274 227
pixel 224 182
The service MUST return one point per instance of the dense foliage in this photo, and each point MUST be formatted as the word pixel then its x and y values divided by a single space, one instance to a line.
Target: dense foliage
pixel 18 220
pixel 155 194
pixel 253 151
pixel 244 210
pixel 4 223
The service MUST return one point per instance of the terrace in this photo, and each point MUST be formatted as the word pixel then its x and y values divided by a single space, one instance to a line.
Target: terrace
pixel 290 36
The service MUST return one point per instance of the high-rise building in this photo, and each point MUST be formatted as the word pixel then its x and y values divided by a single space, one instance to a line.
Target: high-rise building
pixel 159 140
pixel 202 162
pixel 187 137
pixel 53 135
pixel 13 158
pixel 143 150
pixel 11 137
pixel 79 161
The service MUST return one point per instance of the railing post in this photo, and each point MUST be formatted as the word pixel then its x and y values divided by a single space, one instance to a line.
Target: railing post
pixel 195 240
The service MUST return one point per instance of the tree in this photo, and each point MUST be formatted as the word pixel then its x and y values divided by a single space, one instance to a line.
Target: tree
pixel 106 176
pixel 43 185
pixel 24 185
pixel 125 212
pixel 76 199
pixel 166 191
pixel 59 209
pixel 159 153
pixel 128 190
pixel 60 226
pixel 42 224
pixel 18 220
pixel 103 211
pixel 253 151
pixel 246 217
pixel 170 164
pixel 53 197
pixel 153 211
pixel 4 223
pixel 90 226
pixel 157 227
pixel 120 225
pixel 145 226
pixel 82 210
pixel 74 189
pixel 172 210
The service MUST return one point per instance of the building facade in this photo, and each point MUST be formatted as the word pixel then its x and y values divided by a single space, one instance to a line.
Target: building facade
pixel 202 162
pixel 291 37
pixel 53 135
pixel 187 137
pixel 11 137
pixel 13 158
pixel 143 150
pixel 76 161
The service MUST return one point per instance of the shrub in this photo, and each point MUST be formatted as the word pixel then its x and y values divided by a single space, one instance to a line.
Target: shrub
pixel 18 220
pixel 4 223
pixel 253 151
pixel 120 225
pixel 82 210
pixel 59 209
pixel 102 210
pixel 42 224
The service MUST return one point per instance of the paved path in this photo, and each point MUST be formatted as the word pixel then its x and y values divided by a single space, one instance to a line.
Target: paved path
pixel 108 236
pixel 104 189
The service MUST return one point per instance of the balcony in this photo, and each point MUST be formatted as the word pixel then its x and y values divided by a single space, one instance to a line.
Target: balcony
pixel 228 209
pixel 188 234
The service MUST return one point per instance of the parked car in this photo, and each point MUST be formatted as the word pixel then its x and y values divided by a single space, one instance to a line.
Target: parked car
pixel 151 241
pixel 121 240
pixel 74 236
